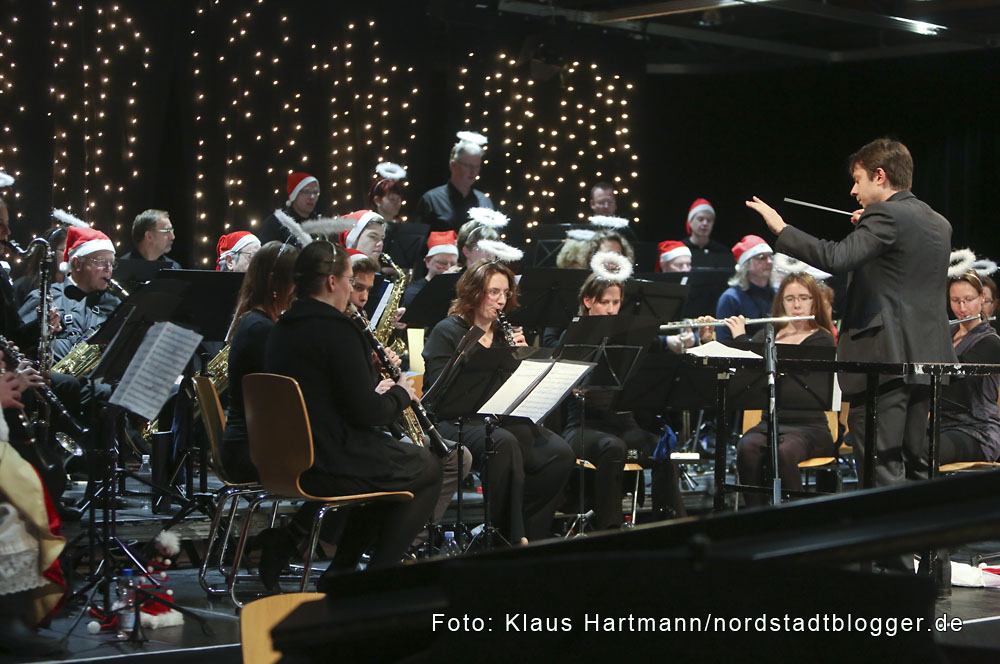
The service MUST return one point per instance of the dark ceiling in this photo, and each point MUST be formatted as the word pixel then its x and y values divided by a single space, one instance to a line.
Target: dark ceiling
pixel 705 36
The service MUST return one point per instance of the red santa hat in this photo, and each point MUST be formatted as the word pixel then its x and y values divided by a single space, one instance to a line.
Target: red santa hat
pixel 699 205
pixel 444 242
pixel 232 243
pixel 84 240
pixel 669 250
pixel 296 183
pixel 361 219
pixel 748 247
pixel 356 255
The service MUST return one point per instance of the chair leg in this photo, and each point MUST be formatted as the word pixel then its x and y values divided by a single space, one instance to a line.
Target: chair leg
pixel 223 497
pixel 313 541
pixel 229 531
pixel 241 546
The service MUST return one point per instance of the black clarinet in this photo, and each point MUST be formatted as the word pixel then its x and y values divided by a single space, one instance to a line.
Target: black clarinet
pixel 438 444
pixel 44 392
pixel 506 328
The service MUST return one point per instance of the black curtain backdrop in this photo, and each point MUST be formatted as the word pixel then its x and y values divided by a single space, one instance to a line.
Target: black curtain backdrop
pixel 724 137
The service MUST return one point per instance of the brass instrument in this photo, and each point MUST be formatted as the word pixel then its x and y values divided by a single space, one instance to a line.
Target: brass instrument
pixel 218 371
pixel 83 357
pixel 506 328
pixel 384 331
pixel 415 418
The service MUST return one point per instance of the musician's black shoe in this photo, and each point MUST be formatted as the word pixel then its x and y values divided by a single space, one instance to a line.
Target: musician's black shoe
pixel 15 637
pixel 277 547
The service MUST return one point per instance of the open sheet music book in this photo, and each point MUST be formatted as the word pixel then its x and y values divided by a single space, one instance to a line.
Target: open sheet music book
pixel 161 357
pixel 535 388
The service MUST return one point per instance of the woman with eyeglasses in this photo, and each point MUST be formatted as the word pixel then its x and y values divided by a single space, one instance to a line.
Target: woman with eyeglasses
pixel 801 434
pixel 530 464
pixel 970 421
pixel 266 292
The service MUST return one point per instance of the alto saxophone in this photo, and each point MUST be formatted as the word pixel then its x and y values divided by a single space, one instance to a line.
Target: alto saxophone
pixel 384 331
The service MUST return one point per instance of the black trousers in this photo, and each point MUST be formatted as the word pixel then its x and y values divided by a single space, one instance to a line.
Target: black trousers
pixel 954 446
pixel 902 428
pixel 795 444
pixel 390 527
pixel 525 476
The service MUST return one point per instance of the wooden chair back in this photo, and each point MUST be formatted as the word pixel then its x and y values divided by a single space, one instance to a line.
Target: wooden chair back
pixel 259 617
pixel 214 419
pixel 281 444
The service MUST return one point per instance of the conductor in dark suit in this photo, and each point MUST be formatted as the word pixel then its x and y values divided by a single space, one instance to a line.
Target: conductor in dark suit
pixel 897 256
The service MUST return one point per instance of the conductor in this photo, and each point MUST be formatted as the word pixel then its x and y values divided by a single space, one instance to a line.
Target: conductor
pixel 897 256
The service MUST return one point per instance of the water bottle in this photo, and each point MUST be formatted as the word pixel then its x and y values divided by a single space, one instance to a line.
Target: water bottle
pixel 450 547
pixel 126 604
pixel 145 472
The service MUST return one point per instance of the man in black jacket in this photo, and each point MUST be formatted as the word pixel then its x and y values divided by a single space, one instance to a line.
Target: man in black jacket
pixel 898 255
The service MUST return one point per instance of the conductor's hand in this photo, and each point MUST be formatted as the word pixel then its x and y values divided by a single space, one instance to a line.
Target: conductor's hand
pixel 407 384
pixel 706 334
pixel 856 217
pixel 384 385
pixel 737 325
pixel 771 217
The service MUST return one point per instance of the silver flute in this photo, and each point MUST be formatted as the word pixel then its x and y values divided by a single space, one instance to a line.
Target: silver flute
pixel 681 324
pixel 956 321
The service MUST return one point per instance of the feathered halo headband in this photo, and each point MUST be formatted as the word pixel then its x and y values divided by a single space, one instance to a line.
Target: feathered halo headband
pixel 503 251
pixel 68 219
pixel 472 137
pixel 611 266
pixel 580 234
pixel 5 180
pixel 390 171
pixel 293 227
pixel 488 217
pixel 608 222
pixel 327 227
pixel 964 260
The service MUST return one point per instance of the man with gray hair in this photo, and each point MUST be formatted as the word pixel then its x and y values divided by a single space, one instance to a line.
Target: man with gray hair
pixel 446 208
pixel 153 236
pixel 750 293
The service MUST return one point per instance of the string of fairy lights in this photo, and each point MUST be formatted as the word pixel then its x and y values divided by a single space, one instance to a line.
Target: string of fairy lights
pixel 270 97
pixel 554 149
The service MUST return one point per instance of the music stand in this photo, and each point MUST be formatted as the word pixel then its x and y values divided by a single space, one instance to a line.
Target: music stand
pixel 587 339
pixel 134 272
pixel 430 305
pixel 466 384
pixel 663 301
pixel 548 297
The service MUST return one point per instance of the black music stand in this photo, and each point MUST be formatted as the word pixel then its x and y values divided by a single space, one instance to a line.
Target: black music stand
pixel 430 305
pixel 548 297
pixel 135 272
pixel 663 301
pixel 587 339
pixel 468 381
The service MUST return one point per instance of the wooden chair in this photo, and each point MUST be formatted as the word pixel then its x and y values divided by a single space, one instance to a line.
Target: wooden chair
pixel 230 493
pixel 752 418
pixel 259 617
pixel 281 446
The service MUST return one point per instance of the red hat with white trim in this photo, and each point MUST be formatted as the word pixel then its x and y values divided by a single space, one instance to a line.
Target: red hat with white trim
pixel 699 205
pixel 748 247
pixel 669 250
pixel 296 183
pixel 443 242
pixel 84 240
pixel 356 255
pixel 232 243
pixel 361 219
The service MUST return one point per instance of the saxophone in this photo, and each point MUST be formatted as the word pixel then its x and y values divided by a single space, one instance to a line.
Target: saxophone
pixel 83 357
pixel 384 331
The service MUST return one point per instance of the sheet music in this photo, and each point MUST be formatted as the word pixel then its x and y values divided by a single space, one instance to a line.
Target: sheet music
pixel 523 377
pixel 386 294
pixel 147 382
pixel 551 390
pixel 716 349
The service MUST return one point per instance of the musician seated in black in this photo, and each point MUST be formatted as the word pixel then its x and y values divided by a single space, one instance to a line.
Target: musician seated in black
pixel 265 294
pixel 970 422
pixel 608 435
pixel 83 300
pixel 315 343
pixel 801 434
pixel 531 464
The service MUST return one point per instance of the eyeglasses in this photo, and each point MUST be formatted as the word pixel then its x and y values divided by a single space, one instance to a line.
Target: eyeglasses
pixel 470 167
pixel 791 299
pixel 760 258
pixel 359 288
pixel 165 230
pixel 968 300
pixel 310 192
pixel 102 263
pixel 495 293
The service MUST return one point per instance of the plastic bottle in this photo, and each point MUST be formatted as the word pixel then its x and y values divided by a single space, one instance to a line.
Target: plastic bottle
pixel 450 547
pixel 145 472
pixel 126 604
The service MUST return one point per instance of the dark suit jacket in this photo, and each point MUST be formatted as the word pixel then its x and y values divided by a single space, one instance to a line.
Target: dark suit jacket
pixel 898 256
